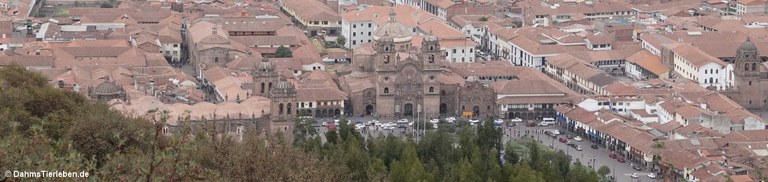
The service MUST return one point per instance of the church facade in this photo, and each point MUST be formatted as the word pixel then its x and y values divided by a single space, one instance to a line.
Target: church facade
pixel 393 78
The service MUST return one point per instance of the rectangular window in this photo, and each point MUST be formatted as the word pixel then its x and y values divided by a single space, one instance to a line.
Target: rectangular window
pixel 369 25
pixel 454 51
pixel 175 45
pixel 354 42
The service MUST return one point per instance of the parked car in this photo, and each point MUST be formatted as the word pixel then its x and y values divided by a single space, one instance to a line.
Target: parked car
pixel 569 136
pixel 557 132
pixel 621 160
pixel 434 121
pixel 324 124
pixel 402 121
pixel 578 148
pixel 635 175
pixel 577 138
pixel 450 119
pixel 612 155
pixel 593 146
pixel 563 140
pixel 636 167
pixel 652 175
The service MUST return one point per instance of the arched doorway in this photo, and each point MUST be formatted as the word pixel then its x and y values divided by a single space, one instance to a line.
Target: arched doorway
pixel 476 110
pixel 443 108
pixel 337 112
pixel 368 109
pixel 408 109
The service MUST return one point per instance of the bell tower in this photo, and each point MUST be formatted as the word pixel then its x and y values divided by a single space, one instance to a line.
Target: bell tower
pixel 747 76
pixel 430 53
pixel 264 77
pixel 386 57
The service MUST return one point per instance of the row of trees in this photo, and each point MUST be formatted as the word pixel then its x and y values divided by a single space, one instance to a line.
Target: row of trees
pixel 466 154
pixel 44 128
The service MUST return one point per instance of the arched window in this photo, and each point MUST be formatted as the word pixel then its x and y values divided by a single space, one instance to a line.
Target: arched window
pixel 386 59
pixel 431 58
pixel 386 90
pixel 711 80
pixel 431 48
pixel 280 109
pixel 442 92
pixel 216 59
pixel 270 86
pixel 746 67
pixel 431 89
pixel 754 66
pixel 288 109
pixel 386 48
pixel 262 87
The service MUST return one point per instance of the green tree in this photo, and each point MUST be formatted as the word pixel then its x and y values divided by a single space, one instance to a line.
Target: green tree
pixel 483 19
pixel 283 52
pixel 523 173
pixel 409 167
pixel 603 171
pixel 341 40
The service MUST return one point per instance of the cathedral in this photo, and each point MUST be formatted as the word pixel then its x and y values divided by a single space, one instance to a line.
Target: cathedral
pixel 750 75
pixel 393 78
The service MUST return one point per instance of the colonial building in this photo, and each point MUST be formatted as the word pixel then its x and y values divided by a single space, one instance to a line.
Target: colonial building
pixel 283 101
pixel 393 78
pixel 750 78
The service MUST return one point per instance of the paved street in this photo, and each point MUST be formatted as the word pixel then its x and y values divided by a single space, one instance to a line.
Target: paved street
pixel 622 171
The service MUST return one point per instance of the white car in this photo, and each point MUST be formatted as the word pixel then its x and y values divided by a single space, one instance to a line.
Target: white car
pixel 652 175
pixel 324 123
pixel 450 119
pixel 577 138
pixel 474 120
pixel 402 121
pixel 434 121
pixel 359 126
pixel 635 175
pixel 556 132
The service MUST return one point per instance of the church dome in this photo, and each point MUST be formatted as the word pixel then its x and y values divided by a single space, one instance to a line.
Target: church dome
pixel 748 46
pixel 266 65
pixel 394 30
pixel 284 85
pixel 107 88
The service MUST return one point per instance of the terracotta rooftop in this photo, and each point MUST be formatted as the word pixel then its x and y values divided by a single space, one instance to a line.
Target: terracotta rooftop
pixel 696 56
pixel 312 10
pixel 409 16
pixel 648 61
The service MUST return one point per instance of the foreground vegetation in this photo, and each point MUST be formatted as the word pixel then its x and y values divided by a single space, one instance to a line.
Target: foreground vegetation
pixel 44 128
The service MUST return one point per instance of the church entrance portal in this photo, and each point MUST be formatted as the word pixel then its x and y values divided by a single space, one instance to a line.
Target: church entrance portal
pixel 443 108
pixel 408 110
pixel 368 110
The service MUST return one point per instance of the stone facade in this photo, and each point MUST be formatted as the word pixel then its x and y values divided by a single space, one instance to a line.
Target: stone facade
pixel 750 79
